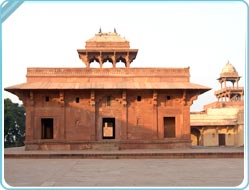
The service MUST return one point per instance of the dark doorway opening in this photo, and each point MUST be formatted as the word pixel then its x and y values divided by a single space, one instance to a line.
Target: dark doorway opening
pixel 222 140
pixel 108 128
pixel 47 125
pixel 169 127
pixel 197 134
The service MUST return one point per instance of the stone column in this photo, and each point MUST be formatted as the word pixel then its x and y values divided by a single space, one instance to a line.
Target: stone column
pixel 127 60
pixel 30 125
pixel 201 143
pixel 100 58
pixel 124 123
pixel 62 129
pixel 114 60
pixel 93 115
pixel 155 114
pixel 186 131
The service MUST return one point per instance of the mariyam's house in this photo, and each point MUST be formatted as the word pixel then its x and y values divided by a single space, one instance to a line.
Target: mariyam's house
pixel 222 122
pixel 123 108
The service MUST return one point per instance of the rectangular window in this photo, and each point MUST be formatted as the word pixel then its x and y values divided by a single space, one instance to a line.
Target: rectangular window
pixel 139 98
pixel 77 100
pixel 167 100
pixel 47 98
pixel 108 101
pixel 47 128
pixel 108 128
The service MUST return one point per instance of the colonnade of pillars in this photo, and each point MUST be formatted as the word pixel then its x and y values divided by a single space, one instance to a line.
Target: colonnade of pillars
pixel 113 57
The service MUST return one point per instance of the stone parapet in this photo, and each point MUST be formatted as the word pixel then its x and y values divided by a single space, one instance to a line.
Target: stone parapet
pixel 88 72
pixel 229 89
pixel 236 104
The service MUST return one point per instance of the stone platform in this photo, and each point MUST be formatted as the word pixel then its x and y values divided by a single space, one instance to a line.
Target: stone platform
pixel 190 153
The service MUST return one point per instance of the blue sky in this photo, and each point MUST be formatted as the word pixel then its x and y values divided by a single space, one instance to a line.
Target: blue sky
pixel 202 35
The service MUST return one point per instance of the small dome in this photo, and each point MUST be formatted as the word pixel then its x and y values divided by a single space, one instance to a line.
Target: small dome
pixel 229 71
pixel 110 40
pixel 229 68
pixel 107 37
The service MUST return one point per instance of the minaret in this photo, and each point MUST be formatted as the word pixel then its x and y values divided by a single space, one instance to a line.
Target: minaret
pixel 105 47
pixel 229 92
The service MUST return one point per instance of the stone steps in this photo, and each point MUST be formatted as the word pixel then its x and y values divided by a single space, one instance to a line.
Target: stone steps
pixel 134 155
pixel 105 146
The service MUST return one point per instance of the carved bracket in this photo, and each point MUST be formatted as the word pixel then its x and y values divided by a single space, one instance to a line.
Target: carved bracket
pixel 92 98
pixel 216 130
pixel 202 130
pixel 228 128
pixel 184 98
pixel 124 102
pixel 61 98
pixel 187 99
pixel 85 60
pixel 155 98
pixel 190 101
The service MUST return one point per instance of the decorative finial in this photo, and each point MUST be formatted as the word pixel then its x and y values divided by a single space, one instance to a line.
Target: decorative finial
pixel 115 30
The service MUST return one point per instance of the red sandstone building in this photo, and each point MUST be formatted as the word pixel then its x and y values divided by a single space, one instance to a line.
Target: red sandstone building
pixel 90 108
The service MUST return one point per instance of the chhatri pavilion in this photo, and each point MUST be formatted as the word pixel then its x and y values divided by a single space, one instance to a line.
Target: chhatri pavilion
pixel 221 123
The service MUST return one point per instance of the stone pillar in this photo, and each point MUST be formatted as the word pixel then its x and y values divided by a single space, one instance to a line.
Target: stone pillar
pixel 62 129
pixel 201 140
pixel 100 60
pixel 127 60
pixel 237 83
pixel 93 115
pixel 188 101
pixel 124 123
pixel 155 114
pixel 30 113
pixel 186 131
pixel 114 60
pixel 29 131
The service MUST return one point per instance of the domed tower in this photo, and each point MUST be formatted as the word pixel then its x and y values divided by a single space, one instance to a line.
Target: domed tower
pixel 229 93
pixel 105 47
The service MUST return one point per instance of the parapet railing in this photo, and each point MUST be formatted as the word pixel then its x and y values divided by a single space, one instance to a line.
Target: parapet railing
pixel 156 72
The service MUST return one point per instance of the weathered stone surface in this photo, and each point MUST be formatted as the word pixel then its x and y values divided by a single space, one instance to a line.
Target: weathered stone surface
pixel 124 172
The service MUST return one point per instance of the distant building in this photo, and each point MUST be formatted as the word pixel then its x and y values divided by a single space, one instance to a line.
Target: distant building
pixel 222 122
pixel 123 108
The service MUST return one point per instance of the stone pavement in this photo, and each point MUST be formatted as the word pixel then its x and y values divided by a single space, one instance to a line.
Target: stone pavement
pixel 146 172
pixel 123 172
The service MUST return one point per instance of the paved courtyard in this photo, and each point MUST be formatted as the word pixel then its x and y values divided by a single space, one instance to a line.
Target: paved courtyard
pixel 123 172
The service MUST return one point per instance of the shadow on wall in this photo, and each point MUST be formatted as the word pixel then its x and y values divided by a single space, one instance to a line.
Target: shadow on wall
pixel 103 118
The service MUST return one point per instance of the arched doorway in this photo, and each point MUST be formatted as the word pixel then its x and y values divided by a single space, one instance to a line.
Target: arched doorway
pixel 195 137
